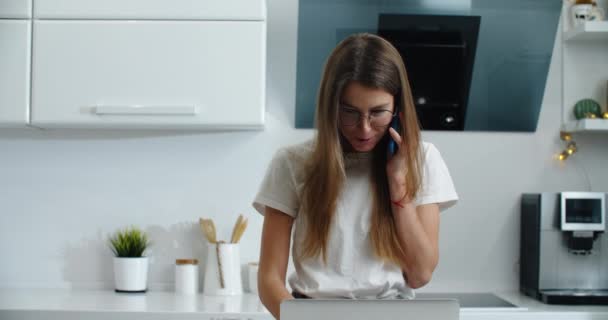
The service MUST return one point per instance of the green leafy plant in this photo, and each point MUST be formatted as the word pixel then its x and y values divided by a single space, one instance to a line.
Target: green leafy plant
pixel 129 243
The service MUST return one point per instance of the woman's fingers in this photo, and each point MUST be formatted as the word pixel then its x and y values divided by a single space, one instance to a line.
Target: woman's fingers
pixel 395 135
pixel 398 140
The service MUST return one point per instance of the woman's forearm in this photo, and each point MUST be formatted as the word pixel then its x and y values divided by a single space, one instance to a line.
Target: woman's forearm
pixel 272 293
pixel 420 256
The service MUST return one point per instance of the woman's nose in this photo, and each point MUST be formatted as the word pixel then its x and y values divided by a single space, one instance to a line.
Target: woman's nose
pixel 365 124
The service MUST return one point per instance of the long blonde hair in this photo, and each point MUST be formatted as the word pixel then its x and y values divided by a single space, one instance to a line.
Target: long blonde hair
pixel 373 62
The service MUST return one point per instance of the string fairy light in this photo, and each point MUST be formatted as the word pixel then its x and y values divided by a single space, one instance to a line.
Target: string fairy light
pixel 570 147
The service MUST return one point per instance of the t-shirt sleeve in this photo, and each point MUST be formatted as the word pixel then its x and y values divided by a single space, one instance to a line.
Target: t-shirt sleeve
pixel 277 189
pixel 437 185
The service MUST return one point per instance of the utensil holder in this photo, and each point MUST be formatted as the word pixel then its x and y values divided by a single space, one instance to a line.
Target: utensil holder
pixel 223 270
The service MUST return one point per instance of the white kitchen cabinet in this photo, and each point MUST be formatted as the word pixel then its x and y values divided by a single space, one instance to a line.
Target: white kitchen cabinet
pixel 126 64
pixel 175 74
pixel 14 72
pixel 15 9
pixel 150 9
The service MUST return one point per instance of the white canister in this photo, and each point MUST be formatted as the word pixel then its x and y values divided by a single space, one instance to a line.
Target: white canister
pixel 252 268
pixel 186 276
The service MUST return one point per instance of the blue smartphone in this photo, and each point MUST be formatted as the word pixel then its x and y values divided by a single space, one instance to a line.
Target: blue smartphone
pixel 392 145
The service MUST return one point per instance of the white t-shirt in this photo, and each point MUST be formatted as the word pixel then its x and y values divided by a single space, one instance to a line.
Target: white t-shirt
pixel 352 270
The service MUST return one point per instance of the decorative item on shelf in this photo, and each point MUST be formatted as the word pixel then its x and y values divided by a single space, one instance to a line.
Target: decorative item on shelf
pixel 570 147
pixel 597 13
pixel 587 108
pixel 585 10
pixel 130 264
pixel 223 268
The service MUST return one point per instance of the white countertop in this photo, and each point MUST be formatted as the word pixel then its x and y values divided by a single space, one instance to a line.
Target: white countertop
pixel 151 305
pixel 532 309
pixel 106 304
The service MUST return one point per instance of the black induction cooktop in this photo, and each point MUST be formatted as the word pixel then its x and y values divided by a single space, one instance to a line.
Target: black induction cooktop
pixel 471 300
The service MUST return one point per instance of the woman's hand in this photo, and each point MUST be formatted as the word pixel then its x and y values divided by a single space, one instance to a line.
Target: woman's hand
pixel 396 169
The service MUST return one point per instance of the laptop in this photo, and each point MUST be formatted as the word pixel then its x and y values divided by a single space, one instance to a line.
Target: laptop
pixel 349 309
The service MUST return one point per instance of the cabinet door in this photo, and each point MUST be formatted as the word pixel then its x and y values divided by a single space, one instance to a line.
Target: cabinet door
pixel 151 9
pixel 14 72
pixel 16 9
pixel 154 74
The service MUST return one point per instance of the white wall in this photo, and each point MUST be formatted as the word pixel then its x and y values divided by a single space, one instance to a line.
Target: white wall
pixel 63 192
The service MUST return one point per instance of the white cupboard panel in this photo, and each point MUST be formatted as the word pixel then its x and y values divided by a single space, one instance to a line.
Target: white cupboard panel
pixel 151 9
pixel 14 72
pixel 148 74
pixel 16 9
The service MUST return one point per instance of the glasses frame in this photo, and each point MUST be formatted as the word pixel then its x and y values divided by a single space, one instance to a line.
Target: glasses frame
pixel 368 117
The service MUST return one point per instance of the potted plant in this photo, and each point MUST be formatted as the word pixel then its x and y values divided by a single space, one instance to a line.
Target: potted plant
pixel 130 265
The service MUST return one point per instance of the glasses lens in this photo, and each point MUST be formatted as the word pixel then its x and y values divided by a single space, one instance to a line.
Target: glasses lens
pixel 349 117
pixel 381 118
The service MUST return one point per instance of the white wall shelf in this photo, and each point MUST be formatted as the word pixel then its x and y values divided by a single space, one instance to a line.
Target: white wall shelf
pixel 586 125
pixel 584 49
pixel 590 30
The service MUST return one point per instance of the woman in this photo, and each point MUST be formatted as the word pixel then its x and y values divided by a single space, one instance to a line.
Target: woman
pixel 366 222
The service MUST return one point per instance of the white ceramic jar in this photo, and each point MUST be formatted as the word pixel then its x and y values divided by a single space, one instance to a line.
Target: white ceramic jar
pixel 253 276
pixel 223 270
pixel 186 276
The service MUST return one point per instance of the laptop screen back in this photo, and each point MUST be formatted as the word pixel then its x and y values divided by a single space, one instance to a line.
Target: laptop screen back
pixel 348 309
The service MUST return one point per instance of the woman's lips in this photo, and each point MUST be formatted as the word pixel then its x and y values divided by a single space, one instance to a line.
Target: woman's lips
pixel 364 143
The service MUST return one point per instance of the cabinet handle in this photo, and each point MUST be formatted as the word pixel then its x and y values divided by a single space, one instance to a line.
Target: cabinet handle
pixel 147 110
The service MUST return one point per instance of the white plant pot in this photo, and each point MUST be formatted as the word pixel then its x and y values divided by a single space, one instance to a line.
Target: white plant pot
pixel 131 274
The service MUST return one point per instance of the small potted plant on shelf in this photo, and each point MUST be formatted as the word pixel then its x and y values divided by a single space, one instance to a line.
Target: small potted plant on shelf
pixel 130 264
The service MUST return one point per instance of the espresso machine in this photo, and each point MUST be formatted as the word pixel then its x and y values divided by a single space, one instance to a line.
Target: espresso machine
pixel 563 249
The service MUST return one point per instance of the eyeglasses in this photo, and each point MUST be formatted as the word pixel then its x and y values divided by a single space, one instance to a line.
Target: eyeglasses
pixel 377 118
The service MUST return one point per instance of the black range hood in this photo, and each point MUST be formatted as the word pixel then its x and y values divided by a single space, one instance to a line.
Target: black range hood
pixel 439 54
